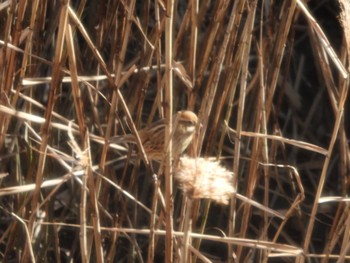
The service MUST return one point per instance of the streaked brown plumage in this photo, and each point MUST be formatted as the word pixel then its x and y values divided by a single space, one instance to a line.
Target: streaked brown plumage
pixel 152 137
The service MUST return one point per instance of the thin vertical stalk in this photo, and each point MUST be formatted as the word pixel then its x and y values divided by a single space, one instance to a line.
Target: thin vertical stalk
pixel 168 131
pixel 339 116
pixel 45 128
pixel 241 106
pixel 6 83
pixel 194 35
pixel 187 230
pixel 151 245
pixel 278 52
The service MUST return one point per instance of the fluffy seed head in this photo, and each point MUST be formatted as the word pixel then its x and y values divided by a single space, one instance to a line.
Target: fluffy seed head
pixel 202 178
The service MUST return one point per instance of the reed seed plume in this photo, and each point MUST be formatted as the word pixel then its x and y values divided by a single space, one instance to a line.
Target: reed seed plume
pixel 203 178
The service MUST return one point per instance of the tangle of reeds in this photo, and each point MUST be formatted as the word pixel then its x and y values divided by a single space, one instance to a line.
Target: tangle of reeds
pixel 266 177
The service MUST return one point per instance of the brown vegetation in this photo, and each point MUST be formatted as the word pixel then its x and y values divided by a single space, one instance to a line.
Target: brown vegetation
pixel 268 81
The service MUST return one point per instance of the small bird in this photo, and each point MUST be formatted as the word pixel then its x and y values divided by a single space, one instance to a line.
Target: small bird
pixel 152 137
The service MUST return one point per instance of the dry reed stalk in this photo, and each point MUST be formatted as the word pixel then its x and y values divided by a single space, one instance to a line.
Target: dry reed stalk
pixel 339 96
pixel 241 107
pixel 168 173
pixel 7 80
pixel 45 128
pixel 152 243
pixel 341 218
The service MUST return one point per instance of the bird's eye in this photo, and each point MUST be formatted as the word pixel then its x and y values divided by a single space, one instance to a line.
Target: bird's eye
pixel 187 122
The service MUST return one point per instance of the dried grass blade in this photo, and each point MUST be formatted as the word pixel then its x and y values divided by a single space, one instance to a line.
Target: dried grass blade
pixel 78 102
pixel 328 199
pixel 259 206
pixel 324 41
pixel 297 143
pixel 30 187
pixel 21 115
